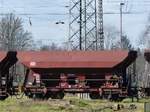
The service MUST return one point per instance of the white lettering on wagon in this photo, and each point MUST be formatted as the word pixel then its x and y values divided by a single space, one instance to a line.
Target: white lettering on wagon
pixel 32 64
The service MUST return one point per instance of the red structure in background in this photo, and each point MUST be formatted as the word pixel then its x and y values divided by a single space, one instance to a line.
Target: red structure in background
pixel 99 73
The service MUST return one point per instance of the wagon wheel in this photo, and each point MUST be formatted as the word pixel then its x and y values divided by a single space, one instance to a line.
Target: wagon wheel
pixel 116 97
pixel 58 95
pixel 2 98
pixel 46 96
pixel 94 95
pixel 38 96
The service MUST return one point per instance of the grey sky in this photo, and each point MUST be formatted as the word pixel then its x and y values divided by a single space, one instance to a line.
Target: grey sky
pixel 43 23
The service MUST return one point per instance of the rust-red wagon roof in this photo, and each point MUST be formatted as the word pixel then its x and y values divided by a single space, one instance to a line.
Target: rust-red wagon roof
pixel 2 55
pixel 75 59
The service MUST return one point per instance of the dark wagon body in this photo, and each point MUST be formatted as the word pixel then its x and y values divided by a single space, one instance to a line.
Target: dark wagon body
pixel 99 73
pixel 147 58
pixel 7 60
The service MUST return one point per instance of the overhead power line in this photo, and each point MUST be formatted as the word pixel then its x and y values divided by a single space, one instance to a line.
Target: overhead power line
pixel 134 1
pixel 63 14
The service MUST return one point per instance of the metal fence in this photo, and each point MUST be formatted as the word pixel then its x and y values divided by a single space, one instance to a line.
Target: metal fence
pixel 147 107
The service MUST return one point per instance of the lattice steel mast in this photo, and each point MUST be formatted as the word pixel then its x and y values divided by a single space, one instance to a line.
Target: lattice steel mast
pixel 100 25
pixel 86 25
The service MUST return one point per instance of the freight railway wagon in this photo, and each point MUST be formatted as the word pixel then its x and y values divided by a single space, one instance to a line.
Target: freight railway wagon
pixel 7 60
pixel 52 74
pixel 99 73
pixel 147 85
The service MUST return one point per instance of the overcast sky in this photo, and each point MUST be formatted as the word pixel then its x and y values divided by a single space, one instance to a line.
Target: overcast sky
pixel 43 23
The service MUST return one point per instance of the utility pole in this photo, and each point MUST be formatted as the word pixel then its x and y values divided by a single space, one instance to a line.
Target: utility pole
pixel 85 25
pixel 96 31
pixel 80 22
pixel 121 32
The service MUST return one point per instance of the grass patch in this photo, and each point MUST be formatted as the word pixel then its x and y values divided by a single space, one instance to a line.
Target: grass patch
pixel 79 103
pixel 70 104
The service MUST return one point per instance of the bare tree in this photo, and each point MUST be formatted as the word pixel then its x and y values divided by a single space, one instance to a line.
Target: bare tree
pixel 126 44
pixel 144 39
pixel 143 67
pixel 12 34
pixel 44 48
pixel 112 39
pixel 52 47
pixel 111 36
